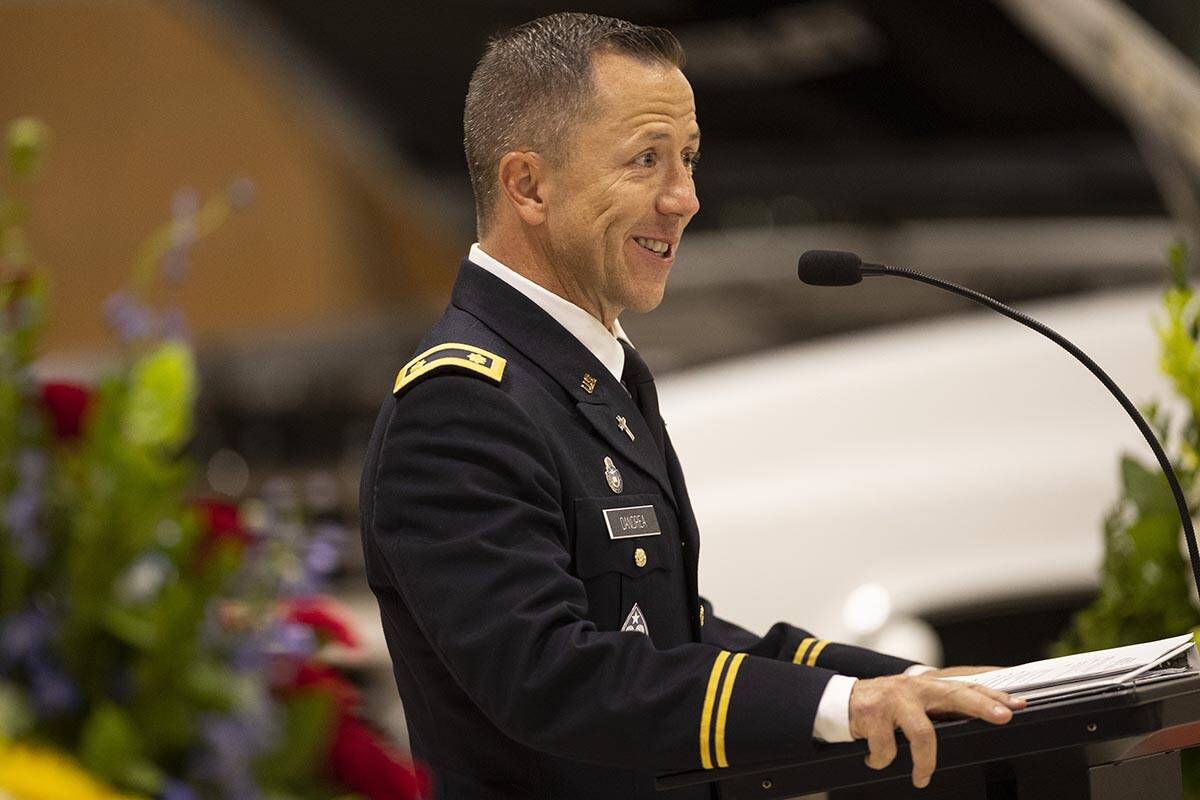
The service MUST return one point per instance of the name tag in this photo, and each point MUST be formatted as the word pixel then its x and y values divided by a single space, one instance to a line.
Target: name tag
pixel 626 523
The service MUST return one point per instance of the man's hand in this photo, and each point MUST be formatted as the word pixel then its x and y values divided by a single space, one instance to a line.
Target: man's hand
pixel 952 672
pixel 880 705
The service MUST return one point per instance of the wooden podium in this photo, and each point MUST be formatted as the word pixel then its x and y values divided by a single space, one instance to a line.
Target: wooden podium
pixel 1118 745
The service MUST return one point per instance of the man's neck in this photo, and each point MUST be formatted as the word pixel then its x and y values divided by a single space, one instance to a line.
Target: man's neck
pixel 530 261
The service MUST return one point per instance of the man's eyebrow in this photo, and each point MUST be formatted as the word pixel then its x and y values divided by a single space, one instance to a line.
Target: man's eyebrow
pixel 695 137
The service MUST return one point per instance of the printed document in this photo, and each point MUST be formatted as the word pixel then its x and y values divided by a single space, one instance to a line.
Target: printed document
pixel 1055 678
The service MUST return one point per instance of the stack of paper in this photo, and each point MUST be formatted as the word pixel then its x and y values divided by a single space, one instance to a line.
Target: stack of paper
pixel 1055 678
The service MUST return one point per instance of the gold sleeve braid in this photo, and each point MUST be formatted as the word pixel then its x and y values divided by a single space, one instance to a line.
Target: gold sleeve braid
pixel 712 731
pixel 808 651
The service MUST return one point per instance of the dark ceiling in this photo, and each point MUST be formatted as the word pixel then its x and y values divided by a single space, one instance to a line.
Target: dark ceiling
pixel 825 110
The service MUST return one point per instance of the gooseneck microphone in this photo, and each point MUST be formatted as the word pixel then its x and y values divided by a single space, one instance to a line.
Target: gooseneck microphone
pixel 836 268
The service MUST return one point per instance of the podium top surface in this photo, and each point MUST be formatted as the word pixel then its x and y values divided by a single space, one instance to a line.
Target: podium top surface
pixel 1129 711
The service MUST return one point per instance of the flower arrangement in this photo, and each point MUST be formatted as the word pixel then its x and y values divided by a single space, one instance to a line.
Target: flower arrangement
pixel 1146 591
pixel 153 643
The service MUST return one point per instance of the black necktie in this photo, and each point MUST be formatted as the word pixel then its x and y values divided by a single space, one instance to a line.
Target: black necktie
pixel 640 383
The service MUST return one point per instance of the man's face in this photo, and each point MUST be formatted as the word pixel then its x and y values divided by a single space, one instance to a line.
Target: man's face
pixel 618 202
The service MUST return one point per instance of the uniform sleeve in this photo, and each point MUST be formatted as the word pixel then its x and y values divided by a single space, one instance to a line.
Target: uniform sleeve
pixel 465 522
pixel 785 642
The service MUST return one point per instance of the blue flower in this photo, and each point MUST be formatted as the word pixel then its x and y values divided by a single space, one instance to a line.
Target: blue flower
pixel 23 636
pixel 174 790
pixel 21 519
pixel 131 320
pixel 292 639
pixel 54 693
pixel 324 554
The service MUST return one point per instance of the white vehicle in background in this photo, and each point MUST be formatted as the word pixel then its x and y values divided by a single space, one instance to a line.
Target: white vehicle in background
pixel 868 486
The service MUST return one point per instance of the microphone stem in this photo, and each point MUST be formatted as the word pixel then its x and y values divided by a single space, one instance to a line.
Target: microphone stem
pixel 1083 358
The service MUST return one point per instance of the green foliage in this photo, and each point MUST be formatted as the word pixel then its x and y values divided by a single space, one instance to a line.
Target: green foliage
pixel 162 390
pixel 111 576
pixel 1145 588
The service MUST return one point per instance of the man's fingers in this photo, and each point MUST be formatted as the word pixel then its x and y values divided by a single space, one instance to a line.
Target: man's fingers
pixel 922 742
pixel 881 741
pixel 961 698
pixel 1003 697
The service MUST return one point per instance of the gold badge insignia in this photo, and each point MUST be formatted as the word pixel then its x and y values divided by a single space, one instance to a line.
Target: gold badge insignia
pixel 613 476
pixel 639 557
pixel 623 424
pixel 588 384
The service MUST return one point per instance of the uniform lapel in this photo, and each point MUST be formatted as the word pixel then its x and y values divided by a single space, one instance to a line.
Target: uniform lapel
pixel 539 337
pixel 602 413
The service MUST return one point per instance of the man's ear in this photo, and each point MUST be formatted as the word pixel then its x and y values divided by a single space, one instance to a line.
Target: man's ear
pixel 520 174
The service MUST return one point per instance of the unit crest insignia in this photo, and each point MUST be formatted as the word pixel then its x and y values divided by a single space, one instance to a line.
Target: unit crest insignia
pixel 635 622
pixel 613 475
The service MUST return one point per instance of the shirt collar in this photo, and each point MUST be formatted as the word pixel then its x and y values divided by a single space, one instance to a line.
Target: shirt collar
pixel 600 341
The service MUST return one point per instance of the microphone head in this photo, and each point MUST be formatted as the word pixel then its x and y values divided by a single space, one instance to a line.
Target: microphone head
pixel 830 268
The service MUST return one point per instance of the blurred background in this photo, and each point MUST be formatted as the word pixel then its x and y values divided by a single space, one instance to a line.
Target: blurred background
pixel 881 463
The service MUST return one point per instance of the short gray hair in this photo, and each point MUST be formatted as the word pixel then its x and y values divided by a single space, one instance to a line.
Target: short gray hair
pixel 535 81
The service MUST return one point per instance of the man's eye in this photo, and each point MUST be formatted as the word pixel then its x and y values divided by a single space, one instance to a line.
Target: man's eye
pixel 645 160
pixel 692 161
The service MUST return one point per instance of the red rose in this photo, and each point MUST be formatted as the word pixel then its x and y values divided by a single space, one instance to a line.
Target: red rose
pixel 221 522
pixel 67 404
pixel 310 676
pixel 317 614
pixel 361 762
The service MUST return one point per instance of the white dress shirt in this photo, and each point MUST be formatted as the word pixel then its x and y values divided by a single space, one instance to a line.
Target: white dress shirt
pixel 832 723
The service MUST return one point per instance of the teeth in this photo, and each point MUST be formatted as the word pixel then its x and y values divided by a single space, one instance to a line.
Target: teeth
pixel 653 245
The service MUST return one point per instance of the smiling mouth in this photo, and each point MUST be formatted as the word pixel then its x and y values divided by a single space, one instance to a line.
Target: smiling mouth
pixel 656 247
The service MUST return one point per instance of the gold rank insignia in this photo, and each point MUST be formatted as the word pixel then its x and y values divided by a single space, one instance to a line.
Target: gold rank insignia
pixel 588 384
pixel 462 356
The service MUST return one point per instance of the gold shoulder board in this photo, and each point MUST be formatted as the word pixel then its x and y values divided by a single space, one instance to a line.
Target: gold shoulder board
pixel 463 356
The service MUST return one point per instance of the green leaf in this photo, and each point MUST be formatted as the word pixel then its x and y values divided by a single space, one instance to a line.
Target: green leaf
pixel 130 626
pixel 1155 538
pixel 302 749
pixel 162 393
pixel 1177 265
pixel 1148 489
pixel 142 776
pixel 16 718
pixel 110 746
pixel 212 685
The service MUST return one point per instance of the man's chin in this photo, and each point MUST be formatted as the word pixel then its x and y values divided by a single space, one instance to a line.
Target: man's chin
pixel 645 301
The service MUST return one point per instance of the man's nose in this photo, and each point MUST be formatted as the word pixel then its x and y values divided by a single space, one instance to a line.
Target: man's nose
pixel 678 197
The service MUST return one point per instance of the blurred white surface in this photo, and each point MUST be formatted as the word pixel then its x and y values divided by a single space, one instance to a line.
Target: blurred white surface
pixel 937 464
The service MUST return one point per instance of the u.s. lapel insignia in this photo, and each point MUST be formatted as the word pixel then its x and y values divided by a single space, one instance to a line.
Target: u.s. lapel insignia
pixel 613 475
pixel 635 622
pixel 588 384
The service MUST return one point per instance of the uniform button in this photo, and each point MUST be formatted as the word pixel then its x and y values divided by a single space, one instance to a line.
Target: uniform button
pixel 683 542
pixel 639 557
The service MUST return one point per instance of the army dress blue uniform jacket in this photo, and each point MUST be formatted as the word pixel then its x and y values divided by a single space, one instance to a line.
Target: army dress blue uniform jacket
pixel 503 593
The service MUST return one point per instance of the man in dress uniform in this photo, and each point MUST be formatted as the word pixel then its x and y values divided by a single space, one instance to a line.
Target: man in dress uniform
pixel 526 522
